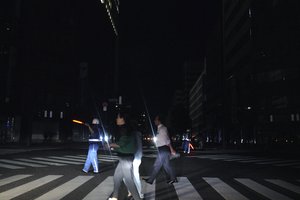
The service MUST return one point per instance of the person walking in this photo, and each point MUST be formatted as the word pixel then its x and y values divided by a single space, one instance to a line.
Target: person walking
pixel 126 147
pixel 165 149
pixel 94 141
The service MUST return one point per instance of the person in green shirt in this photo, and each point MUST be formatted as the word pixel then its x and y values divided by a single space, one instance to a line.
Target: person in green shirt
pixel 126 147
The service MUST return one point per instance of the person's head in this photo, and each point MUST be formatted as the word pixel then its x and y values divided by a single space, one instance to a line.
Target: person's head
pixel 159 119
pixel 122 118
pixel 95 121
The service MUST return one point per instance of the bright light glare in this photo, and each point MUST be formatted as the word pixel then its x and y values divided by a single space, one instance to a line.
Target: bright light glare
pixel 154 139
pixel 106 138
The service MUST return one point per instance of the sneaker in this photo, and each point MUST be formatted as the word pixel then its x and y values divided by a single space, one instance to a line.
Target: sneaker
pixel 96 172
pixel 84 171
pixel 170 182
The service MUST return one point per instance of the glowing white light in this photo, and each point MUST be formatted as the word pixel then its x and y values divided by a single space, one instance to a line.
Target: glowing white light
pixel 154 139
pixel 106 138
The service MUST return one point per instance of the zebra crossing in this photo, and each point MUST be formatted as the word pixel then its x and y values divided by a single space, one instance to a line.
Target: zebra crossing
pixel 20 163
pixel 184 189
pixel 251 159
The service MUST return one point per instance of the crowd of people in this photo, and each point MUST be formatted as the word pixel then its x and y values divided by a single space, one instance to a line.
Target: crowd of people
pixel 127 144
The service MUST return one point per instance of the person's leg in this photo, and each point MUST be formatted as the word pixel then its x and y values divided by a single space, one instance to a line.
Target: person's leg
pixel 118 177
pixel 156 167
pixel 87 163
pixel 129 179
pixel 166 164
pixel 94 157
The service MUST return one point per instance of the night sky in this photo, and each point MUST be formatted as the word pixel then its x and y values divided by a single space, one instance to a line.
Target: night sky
pixel 158 39
pixel 155 39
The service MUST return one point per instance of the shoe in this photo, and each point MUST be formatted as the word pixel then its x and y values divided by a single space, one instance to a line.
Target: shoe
pixel 170 182
pixel 147 181
pixel 84 171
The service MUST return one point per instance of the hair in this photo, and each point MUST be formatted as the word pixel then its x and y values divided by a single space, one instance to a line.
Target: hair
pixel 130 121
pixel 161 118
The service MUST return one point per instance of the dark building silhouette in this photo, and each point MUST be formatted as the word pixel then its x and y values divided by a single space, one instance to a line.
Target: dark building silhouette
pixel 40 53
pixel 253 74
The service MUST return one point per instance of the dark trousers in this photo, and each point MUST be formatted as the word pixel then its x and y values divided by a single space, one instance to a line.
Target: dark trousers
pixel 162 160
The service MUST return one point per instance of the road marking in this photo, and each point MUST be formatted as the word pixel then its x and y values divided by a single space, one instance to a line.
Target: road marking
pixel 21 163
pixel 68 159
pixel 223 189
pixel 13 179
pixel 64 189
pixel 17 191
pixel 185 190
pixel 148 190
pixel 258 160
pixel 59 161
pixel 286 185
pixel 105 188
pixel 40 162
pixel 10 166
pixel 105 158
pixel 263 190
pixel 288 164
pixel 276 162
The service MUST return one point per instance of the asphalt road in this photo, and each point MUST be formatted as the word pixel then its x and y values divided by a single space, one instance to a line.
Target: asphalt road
pixel 56 174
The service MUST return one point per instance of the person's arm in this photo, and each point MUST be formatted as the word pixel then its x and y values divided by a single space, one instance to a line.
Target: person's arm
pixel 90 128
pixel 173 152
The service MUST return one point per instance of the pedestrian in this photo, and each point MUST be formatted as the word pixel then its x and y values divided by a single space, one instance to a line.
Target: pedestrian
pixel 165 149
pixel 126 147
pixel 186 141
pixel 94 141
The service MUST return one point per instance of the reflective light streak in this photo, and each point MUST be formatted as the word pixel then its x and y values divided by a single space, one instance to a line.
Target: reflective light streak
pixel 77 121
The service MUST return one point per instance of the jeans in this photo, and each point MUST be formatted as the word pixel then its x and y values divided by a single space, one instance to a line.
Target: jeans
pixel 124 172
pixel 92 158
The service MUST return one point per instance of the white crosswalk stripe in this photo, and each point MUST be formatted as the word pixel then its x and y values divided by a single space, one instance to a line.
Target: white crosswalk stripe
pixel 65 189
pixel 261 189
pixel 224 190
pixel 40 162
pixel 13 178
pixel 105 188
pixel 17 191
pixel 59 161
pixel 21 163
pixel 251 159
pixel 184 188
pixel 10 166
pixel 286 185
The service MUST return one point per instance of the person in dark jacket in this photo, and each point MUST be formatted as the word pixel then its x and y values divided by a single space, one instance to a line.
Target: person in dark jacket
pixel 94 141
pixel 126 148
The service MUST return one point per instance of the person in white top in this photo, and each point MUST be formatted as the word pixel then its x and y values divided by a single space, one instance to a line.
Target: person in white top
pixel 165 149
